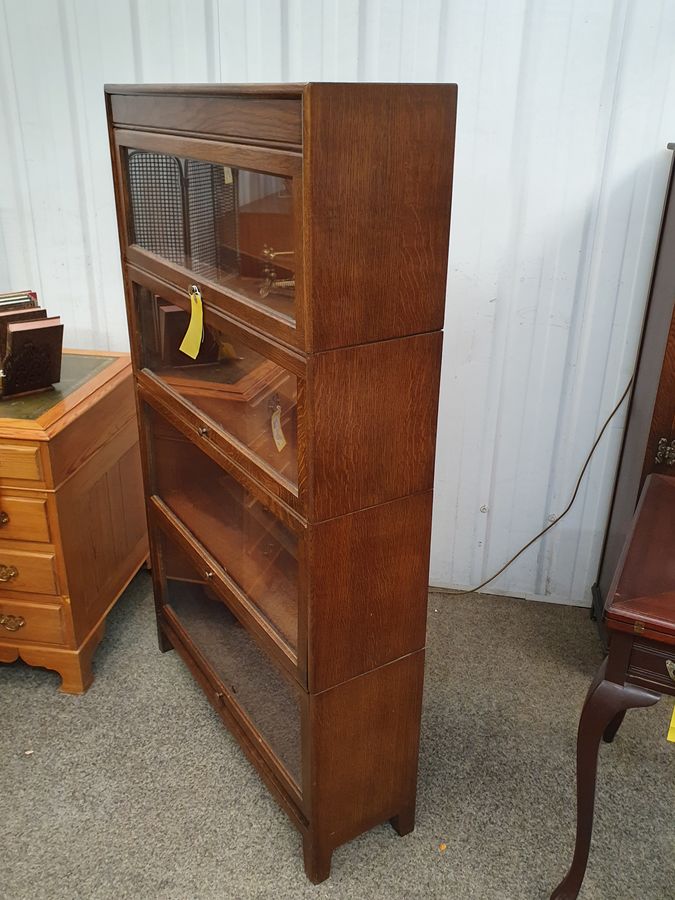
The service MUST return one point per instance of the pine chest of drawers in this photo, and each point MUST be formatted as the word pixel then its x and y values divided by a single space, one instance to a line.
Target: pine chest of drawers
pixel 289 460
pixel 72 518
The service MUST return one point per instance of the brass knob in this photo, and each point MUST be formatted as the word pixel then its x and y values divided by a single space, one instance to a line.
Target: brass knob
pixel 670 668
pixel 4 517
pixel 203 431
pixel 12 623
pixel 8 572
pixel 208 574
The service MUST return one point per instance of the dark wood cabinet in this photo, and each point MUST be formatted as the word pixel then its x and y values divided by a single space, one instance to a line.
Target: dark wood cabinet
pixel 289 466
pixel 649 439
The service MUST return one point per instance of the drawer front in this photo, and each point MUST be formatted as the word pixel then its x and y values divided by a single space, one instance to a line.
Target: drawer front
pixel 650 660
pixel 20 461
pixel 40 623
pixel 23 518
pixel 26 571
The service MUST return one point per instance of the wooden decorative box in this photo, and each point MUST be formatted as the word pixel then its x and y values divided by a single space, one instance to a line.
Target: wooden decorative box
pixel 72 518
pixel 289 467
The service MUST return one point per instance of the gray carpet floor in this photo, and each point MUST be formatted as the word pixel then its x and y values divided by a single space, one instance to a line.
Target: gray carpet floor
pixel 136 790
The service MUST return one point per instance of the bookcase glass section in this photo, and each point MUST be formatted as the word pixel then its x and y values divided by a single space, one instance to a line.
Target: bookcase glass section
pixel 251 398
pixel 254 685
pixel 231 226
pixel 259 553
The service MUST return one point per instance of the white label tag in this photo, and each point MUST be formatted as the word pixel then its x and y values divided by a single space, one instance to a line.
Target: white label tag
pixel 277 430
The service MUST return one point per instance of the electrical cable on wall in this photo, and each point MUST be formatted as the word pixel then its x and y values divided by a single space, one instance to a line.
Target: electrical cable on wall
pixel 574 494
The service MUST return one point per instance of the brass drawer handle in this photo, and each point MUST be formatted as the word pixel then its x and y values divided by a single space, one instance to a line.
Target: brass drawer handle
pixel 670 668
pixel 203 431
pixel 4 517
pixel 12 623
pixel 8 572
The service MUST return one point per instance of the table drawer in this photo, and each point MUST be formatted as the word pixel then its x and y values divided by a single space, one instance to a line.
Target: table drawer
pixel 20 461
pixel 648 660
pixel 40 623
pixel 23 518
pixel 27 571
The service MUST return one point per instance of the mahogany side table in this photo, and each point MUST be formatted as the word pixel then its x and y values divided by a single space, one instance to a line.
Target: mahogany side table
pixel 640 666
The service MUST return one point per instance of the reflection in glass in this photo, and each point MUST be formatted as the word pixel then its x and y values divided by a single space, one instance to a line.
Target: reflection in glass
pixel 252 681
pixel 249 396
pixel 242 534
pixel 229 225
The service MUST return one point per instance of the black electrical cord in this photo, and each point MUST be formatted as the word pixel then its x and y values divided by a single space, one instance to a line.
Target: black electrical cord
pixel 574 495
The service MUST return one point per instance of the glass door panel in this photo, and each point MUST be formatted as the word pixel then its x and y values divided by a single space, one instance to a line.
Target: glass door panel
pixel 259 553
pixel 250 397
pixel 253 683
pixel 231 226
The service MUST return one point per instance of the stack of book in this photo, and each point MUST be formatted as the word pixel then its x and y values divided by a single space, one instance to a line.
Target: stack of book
pixel 30 345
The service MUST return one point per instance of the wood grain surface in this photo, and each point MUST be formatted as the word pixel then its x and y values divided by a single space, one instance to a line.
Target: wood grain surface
pixel 373 412
pixel 254 118
pixel 369 580
pixel 378 177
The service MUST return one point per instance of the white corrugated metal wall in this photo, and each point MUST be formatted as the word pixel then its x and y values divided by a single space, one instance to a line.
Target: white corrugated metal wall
pixel 564 113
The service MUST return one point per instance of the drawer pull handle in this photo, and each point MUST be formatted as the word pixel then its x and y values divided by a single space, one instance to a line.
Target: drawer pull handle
pixel 208 575
pixel 4 517
pixel 670 668
pixel 203 431
pixel 12 623
pixel 8 572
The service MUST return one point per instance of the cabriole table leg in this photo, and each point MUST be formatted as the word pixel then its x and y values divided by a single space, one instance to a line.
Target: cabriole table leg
pixel 604 706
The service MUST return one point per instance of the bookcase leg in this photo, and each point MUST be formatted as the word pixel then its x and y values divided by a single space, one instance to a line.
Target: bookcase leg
pixel 404 822
pixel 164 643
pixel 317 858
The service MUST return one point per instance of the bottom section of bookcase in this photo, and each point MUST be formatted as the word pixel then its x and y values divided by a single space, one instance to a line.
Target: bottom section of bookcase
pixel 348 761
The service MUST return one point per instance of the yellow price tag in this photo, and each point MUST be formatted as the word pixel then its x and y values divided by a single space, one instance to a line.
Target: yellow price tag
pixel 195 330
pixel 671 730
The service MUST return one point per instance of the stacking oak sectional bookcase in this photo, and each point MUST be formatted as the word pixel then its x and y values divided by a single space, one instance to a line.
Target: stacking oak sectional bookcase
pixel 289 466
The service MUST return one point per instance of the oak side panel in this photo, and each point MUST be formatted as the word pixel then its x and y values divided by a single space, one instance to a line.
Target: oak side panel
pixel 103 527
pixel 369 572
pixel 373 423
pixel 364 750
pixel 97 423
pixel 378 183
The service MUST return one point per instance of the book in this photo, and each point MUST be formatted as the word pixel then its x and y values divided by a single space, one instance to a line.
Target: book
pixel 18 300
pixel 13 315
pixel 32 358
